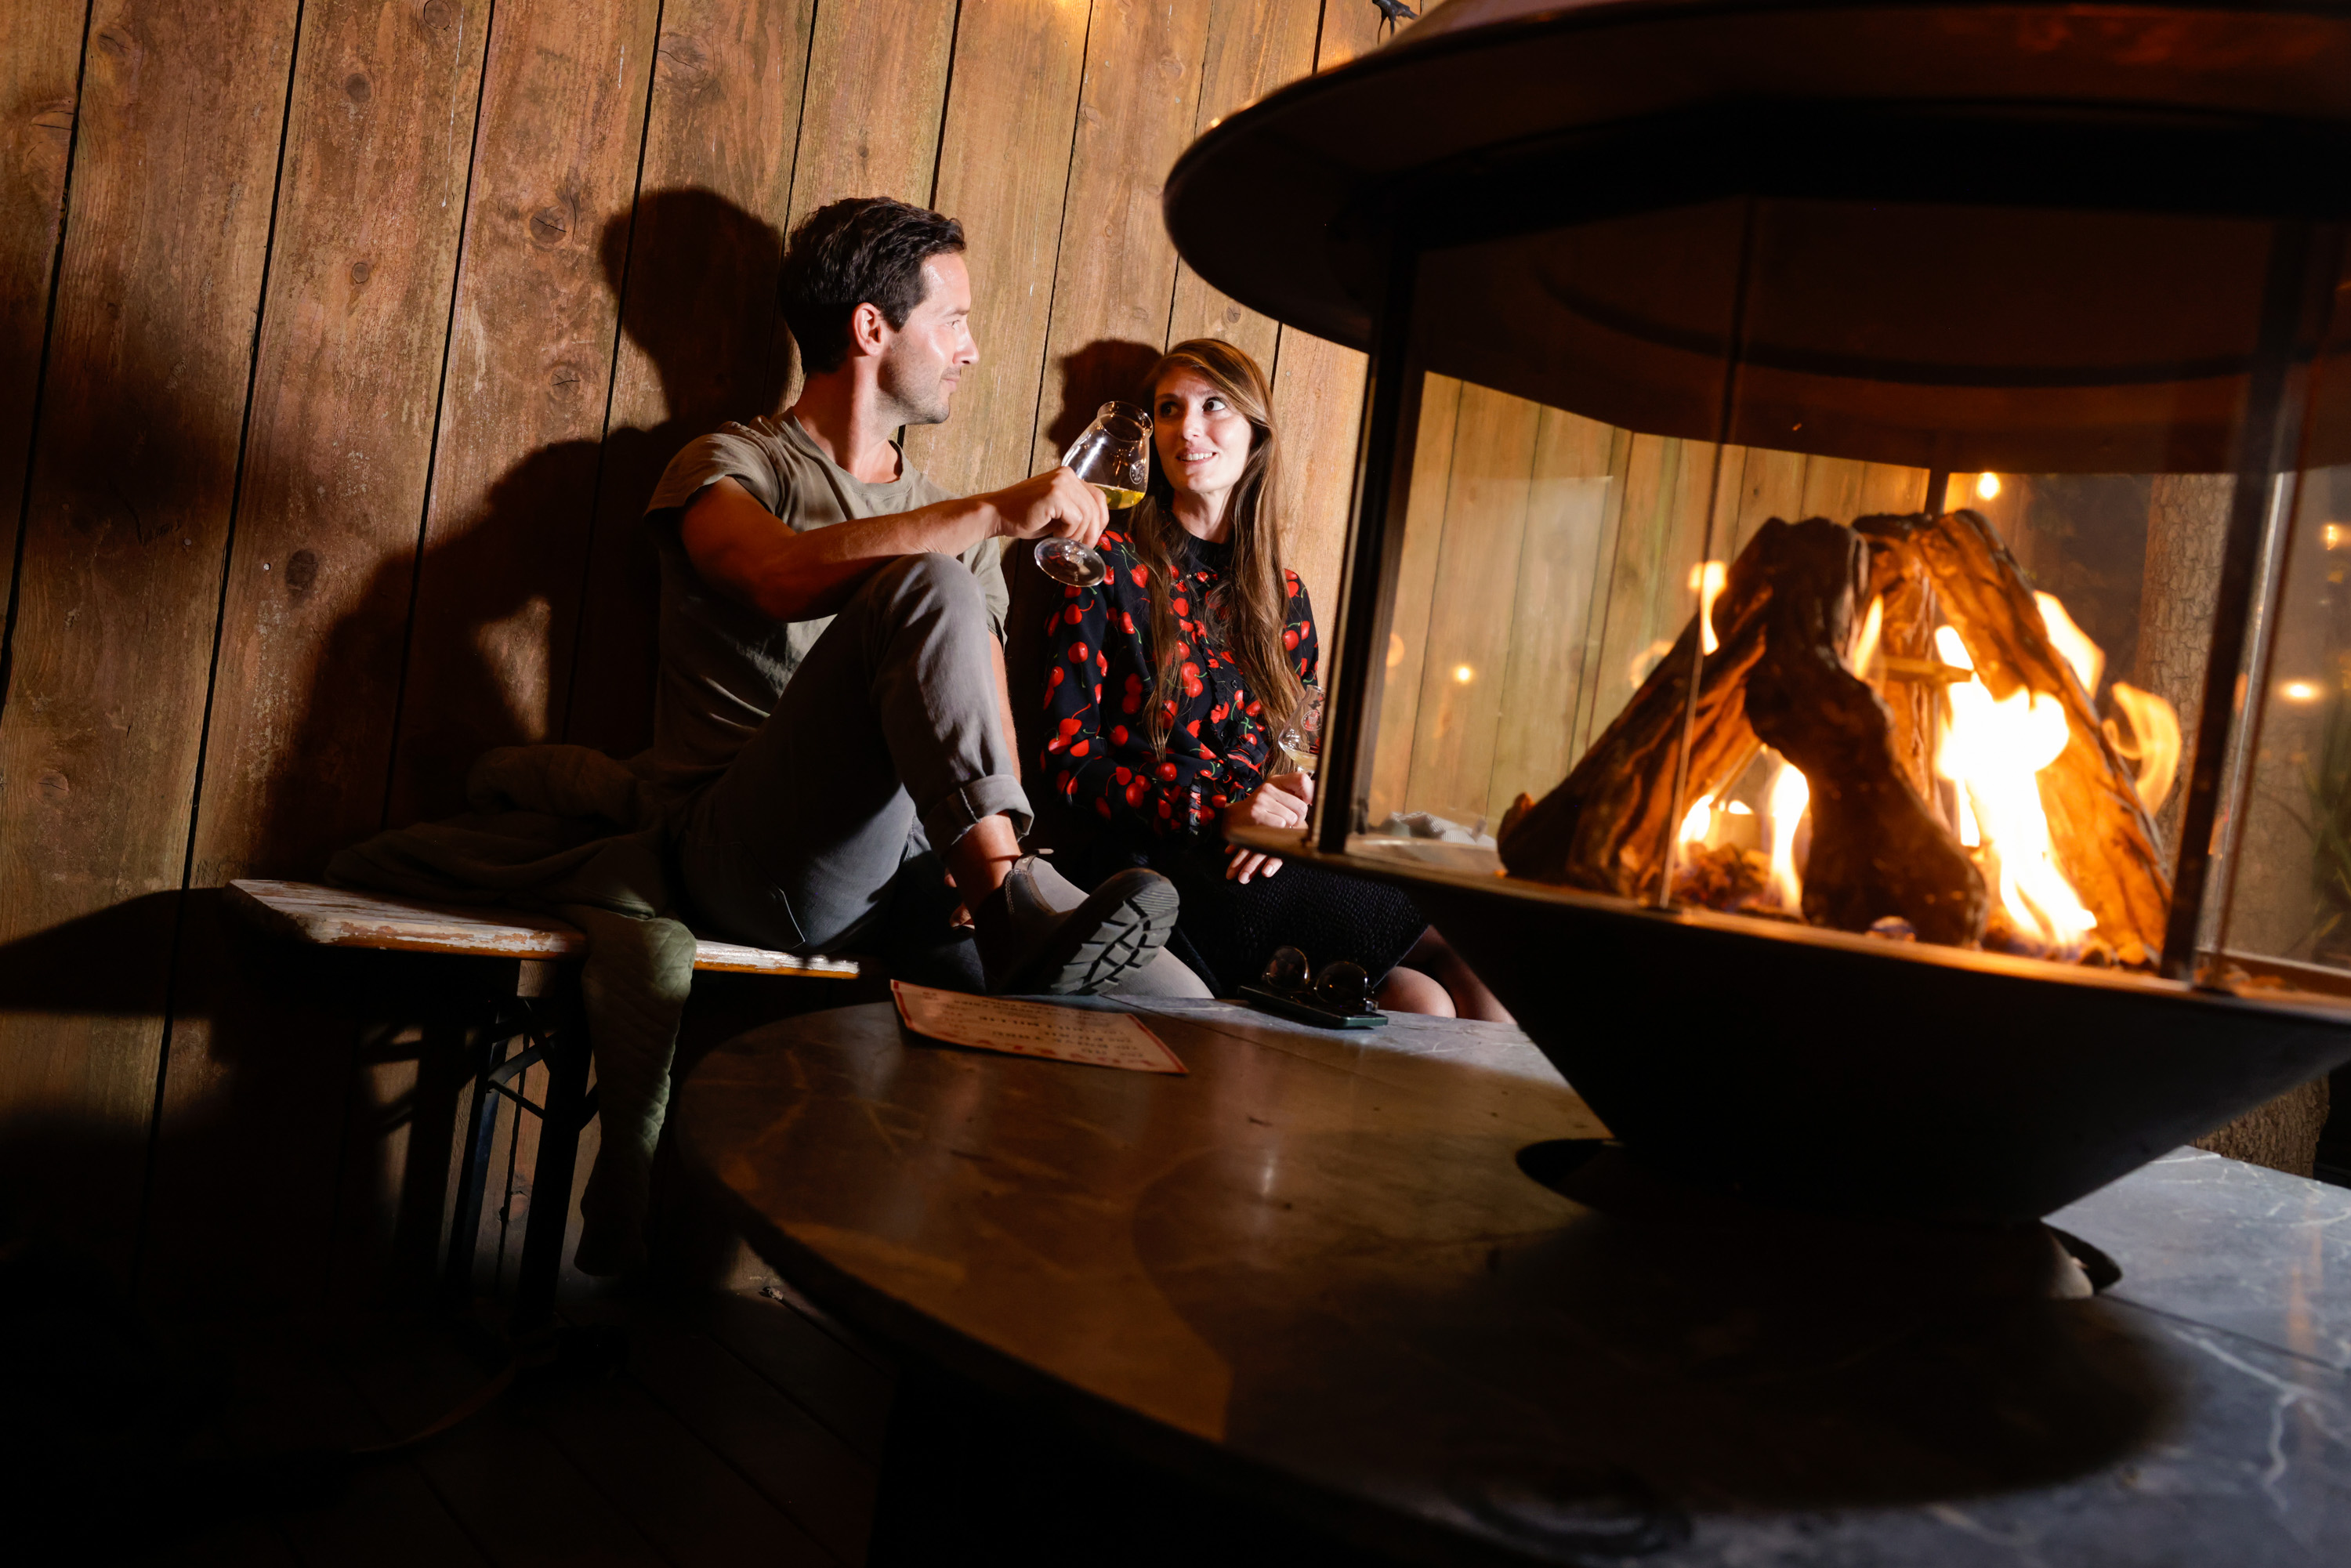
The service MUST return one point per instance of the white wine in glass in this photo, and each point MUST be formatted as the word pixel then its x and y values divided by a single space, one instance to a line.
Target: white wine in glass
pixel 1114 456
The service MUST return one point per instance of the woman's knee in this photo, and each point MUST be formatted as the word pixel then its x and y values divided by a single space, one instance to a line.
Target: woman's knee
pixel 1469 994
pixel 1410 992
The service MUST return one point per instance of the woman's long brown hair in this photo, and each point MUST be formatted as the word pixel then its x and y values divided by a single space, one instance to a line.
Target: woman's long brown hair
pixel 1256 598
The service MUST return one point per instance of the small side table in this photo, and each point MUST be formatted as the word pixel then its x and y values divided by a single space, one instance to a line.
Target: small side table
pixel 1307 1288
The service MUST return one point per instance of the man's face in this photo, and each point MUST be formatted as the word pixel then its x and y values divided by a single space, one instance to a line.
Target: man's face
pixel 924 359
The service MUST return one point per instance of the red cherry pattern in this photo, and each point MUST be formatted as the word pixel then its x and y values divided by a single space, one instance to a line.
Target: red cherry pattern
pixel 1216 743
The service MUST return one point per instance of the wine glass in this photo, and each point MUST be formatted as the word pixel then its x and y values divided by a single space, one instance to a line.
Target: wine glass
pixel 1114 456
pixel 1301 738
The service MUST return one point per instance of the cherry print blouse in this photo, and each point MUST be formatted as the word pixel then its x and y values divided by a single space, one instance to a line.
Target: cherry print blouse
pixel 1098 752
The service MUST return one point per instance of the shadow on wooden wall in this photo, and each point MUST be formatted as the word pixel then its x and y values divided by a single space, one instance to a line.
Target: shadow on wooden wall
pixel 524 567
pixel 329 456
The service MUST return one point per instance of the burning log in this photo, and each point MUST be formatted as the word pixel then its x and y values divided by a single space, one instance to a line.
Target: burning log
pixel 1898 582
pixel 1608 826
pixel 1782 623
pixel 1876 849
pixel 2104 842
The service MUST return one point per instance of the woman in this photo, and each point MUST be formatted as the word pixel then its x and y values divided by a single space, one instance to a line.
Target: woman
pixel 1168 681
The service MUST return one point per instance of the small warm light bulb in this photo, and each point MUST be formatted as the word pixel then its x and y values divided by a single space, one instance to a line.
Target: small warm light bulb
pixel 1987 487
pixel 2333 534
pixel 1464 674
pixel 2299 691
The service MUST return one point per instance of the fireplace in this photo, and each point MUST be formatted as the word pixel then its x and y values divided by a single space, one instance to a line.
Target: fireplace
pixel 1845 624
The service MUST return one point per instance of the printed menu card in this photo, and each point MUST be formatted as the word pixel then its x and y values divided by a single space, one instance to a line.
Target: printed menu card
pixel 1034 1028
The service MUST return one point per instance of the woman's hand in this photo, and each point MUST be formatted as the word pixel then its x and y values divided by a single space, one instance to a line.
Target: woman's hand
pixel 1280 802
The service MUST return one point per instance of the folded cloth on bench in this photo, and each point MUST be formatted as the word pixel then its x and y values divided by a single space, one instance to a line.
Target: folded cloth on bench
pixel 574 833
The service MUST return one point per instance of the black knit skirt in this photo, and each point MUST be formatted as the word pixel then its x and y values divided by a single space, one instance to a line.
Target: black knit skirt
pixel 1227 930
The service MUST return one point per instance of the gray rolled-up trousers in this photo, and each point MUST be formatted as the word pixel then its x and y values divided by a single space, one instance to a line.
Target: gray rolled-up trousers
pixel 886 741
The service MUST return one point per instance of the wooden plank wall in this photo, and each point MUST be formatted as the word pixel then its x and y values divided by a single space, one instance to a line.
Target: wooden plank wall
pixel 345 338
pixel 1547 564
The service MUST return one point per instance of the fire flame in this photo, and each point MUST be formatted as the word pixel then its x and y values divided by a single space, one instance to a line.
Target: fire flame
pixel 2153 742
pixel 1993 750
pixel 2089 660
pixel 1707 581
pixel 1696 822
pixel 1791 793
pixel 1873 629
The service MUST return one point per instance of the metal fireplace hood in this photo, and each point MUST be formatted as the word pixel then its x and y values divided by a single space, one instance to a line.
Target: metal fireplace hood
pixel 1521 201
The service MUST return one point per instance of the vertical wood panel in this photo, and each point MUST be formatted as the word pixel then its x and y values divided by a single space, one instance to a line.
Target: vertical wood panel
pixel 876 90
pixel 523 400
pixel 869 124
pixel 1833 488
pixel 1254 47
pixel 1890 488
pixel 1652 466
pixel 37 70
pixel 1589 680
pixel 1663 535
pixel 1771 485
pixel 699 258
pixel 1568 513
pixel 378 140
pixel 1415 591
pixel 1318 390
pixel 340 439
pixel 1117 265
pixel 1469 616
pixel 1004 166
pixel 1318 406
pixel 133 474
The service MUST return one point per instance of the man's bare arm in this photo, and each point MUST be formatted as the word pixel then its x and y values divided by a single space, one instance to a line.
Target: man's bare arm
pixel 745 550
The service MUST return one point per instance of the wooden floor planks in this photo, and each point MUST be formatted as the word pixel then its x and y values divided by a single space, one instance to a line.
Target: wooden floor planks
pixel 841 1386
pixel 795 1462
pixel 501 1475
pixel 680 1493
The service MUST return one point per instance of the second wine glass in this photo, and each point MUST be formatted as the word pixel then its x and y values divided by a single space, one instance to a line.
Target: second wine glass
pixel 1114 456
pixel 1301 738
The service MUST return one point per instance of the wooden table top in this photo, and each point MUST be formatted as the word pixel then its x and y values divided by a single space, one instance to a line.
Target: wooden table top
pixel 1313 1269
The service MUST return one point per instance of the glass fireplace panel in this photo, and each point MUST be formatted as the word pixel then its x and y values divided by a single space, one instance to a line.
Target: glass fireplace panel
pixel 2286 845
pixel 1599 448
pixel 1489 672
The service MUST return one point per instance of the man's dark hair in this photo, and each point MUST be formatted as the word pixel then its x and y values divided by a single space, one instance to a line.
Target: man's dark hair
pixel 865 250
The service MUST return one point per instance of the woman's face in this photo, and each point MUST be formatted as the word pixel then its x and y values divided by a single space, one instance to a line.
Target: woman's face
pixel 1204 442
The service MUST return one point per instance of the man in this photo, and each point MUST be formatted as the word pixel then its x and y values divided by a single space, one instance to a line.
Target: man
pixel 831 690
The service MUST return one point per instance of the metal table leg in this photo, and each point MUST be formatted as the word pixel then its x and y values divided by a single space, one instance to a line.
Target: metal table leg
pixel 569 1106
pixel 555 1034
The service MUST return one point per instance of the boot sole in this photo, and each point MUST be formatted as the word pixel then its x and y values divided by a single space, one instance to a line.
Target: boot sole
pixel 1117 931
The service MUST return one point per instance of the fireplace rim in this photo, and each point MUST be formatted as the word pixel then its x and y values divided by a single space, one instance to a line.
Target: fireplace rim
pixel 1313 260
pixel 1401 871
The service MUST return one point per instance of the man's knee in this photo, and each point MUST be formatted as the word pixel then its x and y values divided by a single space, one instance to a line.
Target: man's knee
pixel 928 583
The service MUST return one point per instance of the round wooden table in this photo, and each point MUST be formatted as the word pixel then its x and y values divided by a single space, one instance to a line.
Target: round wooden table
pixel 1310 1280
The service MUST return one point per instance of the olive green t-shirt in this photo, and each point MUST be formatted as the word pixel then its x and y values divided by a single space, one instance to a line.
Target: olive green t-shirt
pixel 723 663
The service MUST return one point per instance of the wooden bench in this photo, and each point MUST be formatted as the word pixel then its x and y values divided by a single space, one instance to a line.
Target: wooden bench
pixel 550 1029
